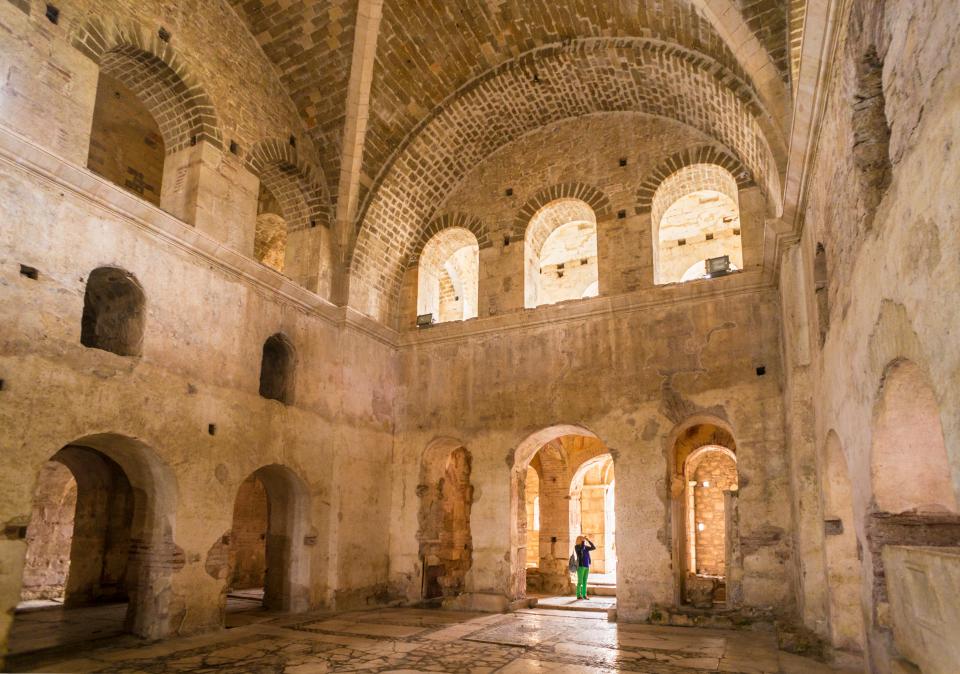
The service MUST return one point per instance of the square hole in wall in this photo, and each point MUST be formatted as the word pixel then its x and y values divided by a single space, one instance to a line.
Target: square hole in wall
pixel 2 384
pixel 293 141
pixel 623 161
pixel 53 14
pixel 234 148
pixel 29 272
pixel 762 370
pixel 621 215
pixel 736 231
pixel 709 237
pixel 681 242
pixel 212 429
pixel 164 34
pixel 509 191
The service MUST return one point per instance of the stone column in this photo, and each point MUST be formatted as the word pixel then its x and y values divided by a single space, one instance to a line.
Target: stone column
pixel 212 191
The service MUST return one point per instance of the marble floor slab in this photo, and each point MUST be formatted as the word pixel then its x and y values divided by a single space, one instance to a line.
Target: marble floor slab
pixel 422 640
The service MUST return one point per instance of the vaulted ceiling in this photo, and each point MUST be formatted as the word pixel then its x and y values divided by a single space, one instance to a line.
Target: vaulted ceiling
pixel 428 49
pixel 377 83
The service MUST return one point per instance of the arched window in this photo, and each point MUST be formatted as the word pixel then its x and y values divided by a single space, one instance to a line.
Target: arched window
pixel 144 111
pixel 695 215
pixel 560 253
pixel 277 369
pixel 448 276
pixel 113 312
pixel 270 238
pixel 126 146
pixel 909 467
pixel 821 290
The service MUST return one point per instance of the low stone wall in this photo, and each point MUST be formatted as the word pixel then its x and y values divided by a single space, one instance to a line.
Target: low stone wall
pixel 923 584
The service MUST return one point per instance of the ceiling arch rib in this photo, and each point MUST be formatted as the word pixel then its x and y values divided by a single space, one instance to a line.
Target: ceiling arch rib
pixel 765 64
pixel 536 89
pixel 427 52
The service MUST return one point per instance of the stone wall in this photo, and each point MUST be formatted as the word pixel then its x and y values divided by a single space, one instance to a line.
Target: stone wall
pixel 884 256
pixel 548 164
pixel 248 536
pixel 715 474
pixel 50 534
pixel 184 419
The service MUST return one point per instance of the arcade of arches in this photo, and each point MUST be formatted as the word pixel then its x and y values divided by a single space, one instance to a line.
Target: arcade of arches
pixel 330 324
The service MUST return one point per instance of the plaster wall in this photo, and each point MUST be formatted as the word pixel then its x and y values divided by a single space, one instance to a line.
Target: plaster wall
pixel 631 377
pixel 891 256
pixel 190 401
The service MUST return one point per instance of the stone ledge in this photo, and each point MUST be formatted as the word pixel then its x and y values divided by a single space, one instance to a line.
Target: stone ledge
pixel 24 155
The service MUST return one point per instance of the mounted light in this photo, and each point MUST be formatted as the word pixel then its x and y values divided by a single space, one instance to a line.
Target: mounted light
pixel 717 266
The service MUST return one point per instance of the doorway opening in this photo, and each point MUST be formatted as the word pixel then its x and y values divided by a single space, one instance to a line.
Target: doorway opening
pixel 592 514
pixel 564 487
pixel 99 547
pixel 704 492
pixel 269 538
pixel 446 498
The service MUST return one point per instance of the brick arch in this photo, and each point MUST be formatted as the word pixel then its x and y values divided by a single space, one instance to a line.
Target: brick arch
pixel 558 82
pixel 588 194
pixel 159 78
pixel 704 154
pixel 446 221
pixel 298 187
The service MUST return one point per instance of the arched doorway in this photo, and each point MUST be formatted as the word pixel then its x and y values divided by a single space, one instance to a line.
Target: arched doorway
pixel 269 540
pixel 593 514
pixel 446 498
pixel 100 548
pixel 546 466
pixel 704 489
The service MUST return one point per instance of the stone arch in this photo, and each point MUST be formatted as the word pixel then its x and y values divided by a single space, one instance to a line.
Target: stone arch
pixel 446 498
pixel 287 562
pixel 695 435
pixel 278 369
pixel 150 68
pixel 520 460
pixel 114 312
pixel 702 154
pixel 421 172
pixel 600 515
pixel 844 569
pixel 448 276
pixel 695 216
pixel 446 221
pixel 909 464
pixel 560 252
pixel 588 194
pixel 700 467
pixel 146 549
pixel 298 186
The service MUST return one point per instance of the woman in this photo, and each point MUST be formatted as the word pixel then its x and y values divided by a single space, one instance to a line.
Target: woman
pixel 582 551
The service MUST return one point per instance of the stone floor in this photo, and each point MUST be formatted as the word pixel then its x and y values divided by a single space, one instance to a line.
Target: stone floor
pixel 424 640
